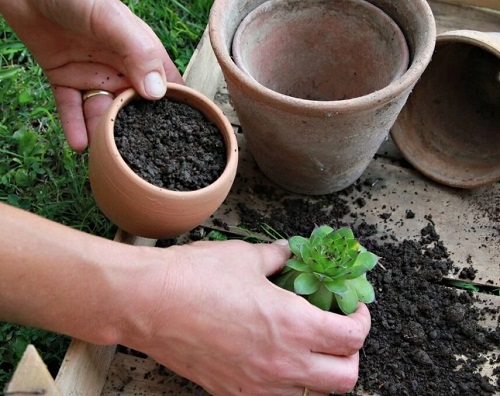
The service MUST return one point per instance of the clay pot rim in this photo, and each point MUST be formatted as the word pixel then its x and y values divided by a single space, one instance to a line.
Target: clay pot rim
pixel 230 141
pixel 436 173
pixel 272 6
pixel 277 100
pixel 473 37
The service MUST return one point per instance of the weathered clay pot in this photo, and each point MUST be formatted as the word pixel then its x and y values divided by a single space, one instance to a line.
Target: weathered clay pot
pixel 450 127
pixel 320 140
pixel 139 207
pixel 305 49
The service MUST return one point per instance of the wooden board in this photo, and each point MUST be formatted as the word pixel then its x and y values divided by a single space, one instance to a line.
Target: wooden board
pixel 32 377
pixel 453 16
pixel 491 4
pixel 462 223
pixel 131 375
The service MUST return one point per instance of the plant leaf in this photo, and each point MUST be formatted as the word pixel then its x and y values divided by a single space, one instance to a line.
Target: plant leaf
pixel 287 280
pixel 345 233
pixel 304 253
pixel 320 232
pixel 363 263
pixel 306 283
pixel 322 298
pixel 364 289
pixel 282 279
pixel 295 242
pixel 298 265
pixel 348 302
pixel 337 286
pixel 333 270
pixel 367 259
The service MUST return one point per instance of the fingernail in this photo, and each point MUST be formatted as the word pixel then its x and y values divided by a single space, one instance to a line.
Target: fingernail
pixel 154 85
pixel 282 242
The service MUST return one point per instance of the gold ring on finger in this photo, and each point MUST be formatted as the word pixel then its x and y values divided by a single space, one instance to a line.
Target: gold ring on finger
pixel 95 92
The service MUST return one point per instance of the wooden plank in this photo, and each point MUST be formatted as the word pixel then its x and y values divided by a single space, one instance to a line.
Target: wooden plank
pixel 130 376
pixel 32 377
pixel 84 368
pixel 492 4
pixel 203 72
pixel 452 17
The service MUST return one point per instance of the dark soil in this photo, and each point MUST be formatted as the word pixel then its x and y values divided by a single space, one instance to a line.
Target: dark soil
pixel 170 144
pixel 426 337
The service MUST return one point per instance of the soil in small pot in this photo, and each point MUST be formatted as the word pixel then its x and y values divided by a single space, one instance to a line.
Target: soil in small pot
pixel 170 144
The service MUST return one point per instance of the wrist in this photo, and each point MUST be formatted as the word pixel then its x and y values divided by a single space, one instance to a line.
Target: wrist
pixel 140 292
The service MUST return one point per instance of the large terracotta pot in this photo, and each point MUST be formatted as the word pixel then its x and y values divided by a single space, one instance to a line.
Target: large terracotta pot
pixel 139 207
pixel 450 127
pixel 308 130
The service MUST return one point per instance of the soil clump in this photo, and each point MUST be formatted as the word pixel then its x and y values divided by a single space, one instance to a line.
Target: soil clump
pixel 170 144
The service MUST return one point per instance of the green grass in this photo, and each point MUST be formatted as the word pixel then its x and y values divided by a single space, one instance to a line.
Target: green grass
pixel 40 173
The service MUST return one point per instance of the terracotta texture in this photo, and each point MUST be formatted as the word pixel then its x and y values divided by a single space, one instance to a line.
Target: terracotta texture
pixel 450 127
pixel 333 50
pixel 139 207
pixel 321 144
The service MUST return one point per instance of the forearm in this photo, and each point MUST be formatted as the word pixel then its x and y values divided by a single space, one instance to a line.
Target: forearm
pixel 63 280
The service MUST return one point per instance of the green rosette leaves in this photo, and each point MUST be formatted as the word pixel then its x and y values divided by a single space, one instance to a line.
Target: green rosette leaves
pixel 329 269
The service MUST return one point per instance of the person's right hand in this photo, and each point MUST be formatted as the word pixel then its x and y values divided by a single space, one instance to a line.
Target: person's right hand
pixel 218 321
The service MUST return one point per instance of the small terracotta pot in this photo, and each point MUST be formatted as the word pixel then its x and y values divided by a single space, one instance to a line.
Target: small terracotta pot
pixel 450 127
pixel 139 207
pixel 301 137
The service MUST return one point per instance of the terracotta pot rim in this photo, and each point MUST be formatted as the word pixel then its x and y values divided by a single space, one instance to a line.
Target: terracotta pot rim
pixel 131 94
pixel 384 95
pixel 473 37
pixel 272 7
pixel 437 163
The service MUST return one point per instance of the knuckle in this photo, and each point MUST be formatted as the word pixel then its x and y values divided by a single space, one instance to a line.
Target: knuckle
pixel 278 369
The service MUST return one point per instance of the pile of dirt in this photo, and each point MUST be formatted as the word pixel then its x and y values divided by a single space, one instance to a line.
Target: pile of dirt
pixel 170 144
pixel 426 337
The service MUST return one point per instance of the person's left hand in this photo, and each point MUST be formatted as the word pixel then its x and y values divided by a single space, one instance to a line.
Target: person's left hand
pixel 91 44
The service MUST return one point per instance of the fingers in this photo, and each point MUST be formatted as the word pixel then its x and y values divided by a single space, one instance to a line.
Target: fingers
pixel 146 61
pixel 69 106
pixel 88 75
pixel 93 109
pixel 79 119
pixel 338 334
pixel 268 258
pixel 329 374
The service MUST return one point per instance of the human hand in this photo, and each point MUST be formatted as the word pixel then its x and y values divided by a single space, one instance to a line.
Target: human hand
pixel 221 323
pixel 91 44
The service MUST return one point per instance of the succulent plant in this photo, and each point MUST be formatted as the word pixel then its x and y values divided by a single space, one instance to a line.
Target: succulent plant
pixel 329 268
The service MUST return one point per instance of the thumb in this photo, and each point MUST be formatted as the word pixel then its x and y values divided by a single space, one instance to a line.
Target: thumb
pixel 145 61
pixel 275 256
